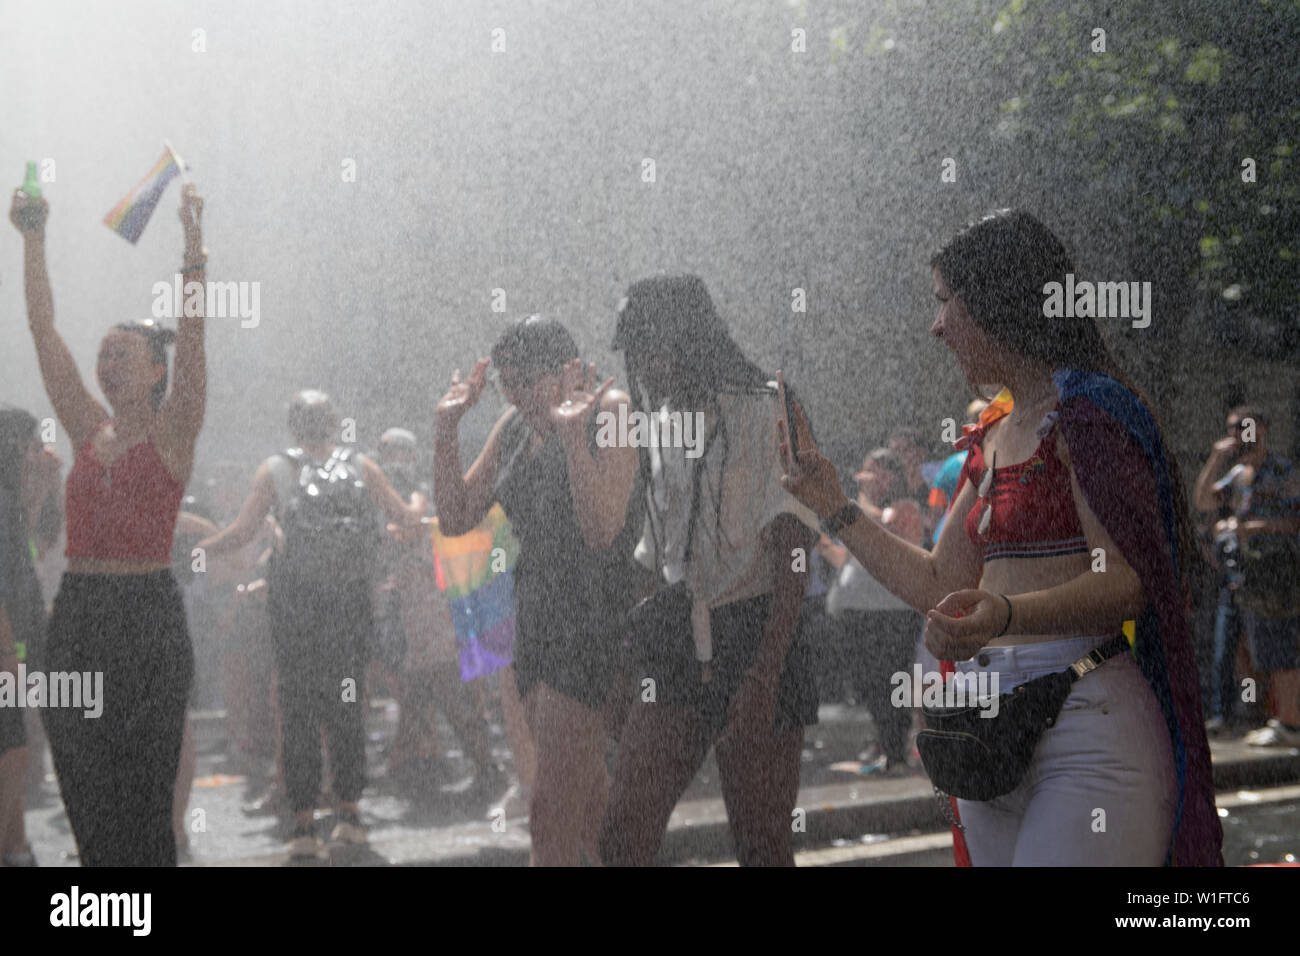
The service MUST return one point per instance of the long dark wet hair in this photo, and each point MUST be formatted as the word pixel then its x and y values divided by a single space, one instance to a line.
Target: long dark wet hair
pixel 17 429
pixel 158 338
pixel 998 267
pixel 675 315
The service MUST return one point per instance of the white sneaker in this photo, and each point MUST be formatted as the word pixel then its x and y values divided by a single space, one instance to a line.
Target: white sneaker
pixel 1273 734
pixel 348 830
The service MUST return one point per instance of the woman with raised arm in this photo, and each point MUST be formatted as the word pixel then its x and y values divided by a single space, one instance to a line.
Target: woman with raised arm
pixel 118 612
pixel 570 502
pixel 1069 521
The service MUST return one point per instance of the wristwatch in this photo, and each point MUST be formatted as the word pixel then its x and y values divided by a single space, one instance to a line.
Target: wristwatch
pixel 842 518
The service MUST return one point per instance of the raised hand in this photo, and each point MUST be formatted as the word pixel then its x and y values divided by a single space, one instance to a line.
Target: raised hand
pixel 27 214
pixel 809 476
pixel 191 214
pixel 462 396
pixel 578 396
pixel 1227 446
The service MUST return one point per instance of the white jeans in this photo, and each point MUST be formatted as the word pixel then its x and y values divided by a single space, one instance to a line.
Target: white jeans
pixel 1101 790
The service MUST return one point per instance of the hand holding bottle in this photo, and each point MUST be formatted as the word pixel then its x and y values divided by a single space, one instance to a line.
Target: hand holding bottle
pixel 29 210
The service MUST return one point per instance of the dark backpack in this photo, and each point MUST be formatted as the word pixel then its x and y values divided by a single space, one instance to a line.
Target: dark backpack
pixel 331 531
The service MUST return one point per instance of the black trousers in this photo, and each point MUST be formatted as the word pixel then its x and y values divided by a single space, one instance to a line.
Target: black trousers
pixel 880 644
pixel 322 636
pixel 117 771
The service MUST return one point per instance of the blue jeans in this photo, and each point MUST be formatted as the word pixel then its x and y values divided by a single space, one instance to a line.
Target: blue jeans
pixel 1225 653
pixel 1101 789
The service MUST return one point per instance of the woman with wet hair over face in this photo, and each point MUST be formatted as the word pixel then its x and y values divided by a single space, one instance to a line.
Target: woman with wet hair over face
pixel 570 502
pixel 1077 470
pixel 118 611
pixel 736 679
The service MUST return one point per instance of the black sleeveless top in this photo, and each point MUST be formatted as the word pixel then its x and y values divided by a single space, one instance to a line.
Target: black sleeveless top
pixel 565 593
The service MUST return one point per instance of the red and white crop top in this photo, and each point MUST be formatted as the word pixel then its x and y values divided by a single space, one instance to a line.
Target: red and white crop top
pixel 1029 506
pixel 125 511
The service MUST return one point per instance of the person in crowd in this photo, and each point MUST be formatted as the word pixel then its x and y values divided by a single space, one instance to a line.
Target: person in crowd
pixel 414 747
pixel 1261 492
pixel 247 661
pixel 191 527
pixel 905 443
pixel 252 684
pixel 49 561
pixel 119 611
pixel 475 573
pixel 326 501
pixel 570 502
pixel 29 478
pixel 731 674
pixel 879 630
pixel 429 667
pixel 816 624
pixel 1076 471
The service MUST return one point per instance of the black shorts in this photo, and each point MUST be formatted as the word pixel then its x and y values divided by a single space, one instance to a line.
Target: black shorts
pixel 13 733
pixel 737 630
pixel 1274 643
pixel 579 665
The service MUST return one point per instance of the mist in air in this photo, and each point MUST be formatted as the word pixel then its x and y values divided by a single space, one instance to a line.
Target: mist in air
pixel 525 170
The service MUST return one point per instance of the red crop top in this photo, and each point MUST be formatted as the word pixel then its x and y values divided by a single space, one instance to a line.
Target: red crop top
pixel 1033 513
pixel 126 511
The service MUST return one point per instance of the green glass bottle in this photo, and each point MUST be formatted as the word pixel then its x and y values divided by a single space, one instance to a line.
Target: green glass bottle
pixel 29 217
pixel 31 186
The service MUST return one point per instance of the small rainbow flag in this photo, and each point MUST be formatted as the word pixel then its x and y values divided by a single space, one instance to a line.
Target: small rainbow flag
pixel 479 584
pixel 129 217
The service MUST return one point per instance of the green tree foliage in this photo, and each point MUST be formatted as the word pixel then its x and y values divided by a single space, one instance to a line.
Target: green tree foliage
pixel 1151 131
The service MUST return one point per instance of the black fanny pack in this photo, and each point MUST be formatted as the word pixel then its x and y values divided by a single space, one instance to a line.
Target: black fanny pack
pixel 974 757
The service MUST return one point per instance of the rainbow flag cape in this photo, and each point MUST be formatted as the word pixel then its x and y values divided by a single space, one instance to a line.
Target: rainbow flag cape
pixel 129 217
pixel 475 572
pixel 1119 461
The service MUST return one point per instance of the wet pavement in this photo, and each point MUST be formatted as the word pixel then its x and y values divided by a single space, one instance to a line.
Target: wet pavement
pixel 858 819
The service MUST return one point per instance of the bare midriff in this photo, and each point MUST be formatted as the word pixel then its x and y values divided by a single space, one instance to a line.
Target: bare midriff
pixel 1012 576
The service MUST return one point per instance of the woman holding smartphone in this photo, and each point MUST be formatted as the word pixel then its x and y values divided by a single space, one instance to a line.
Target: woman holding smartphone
pixel 1070 520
